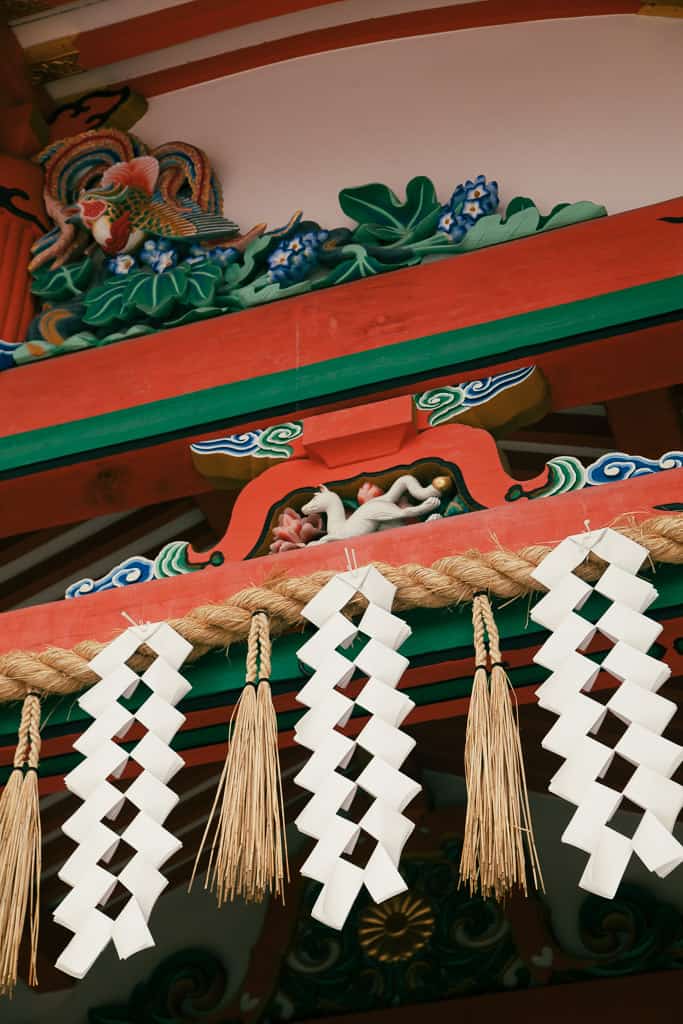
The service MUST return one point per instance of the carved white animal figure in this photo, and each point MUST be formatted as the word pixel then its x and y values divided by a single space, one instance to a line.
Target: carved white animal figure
pixel 376 514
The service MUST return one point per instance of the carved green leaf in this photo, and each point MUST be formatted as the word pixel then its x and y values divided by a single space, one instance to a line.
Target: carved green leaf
pixel 202 281
pixel 571 213
pixel 67 282
pixel 358 265
pixel 157 294
pixel 191 316
pixel 237 273
pixel 134 331
pixel 109 301
pixel 256 294
pixel 381 216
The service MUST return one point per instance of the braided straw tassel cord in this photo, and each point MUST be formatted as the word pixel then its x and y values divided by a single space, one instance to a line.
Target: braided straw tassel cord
pixel 478 821
pixel 248 857
pixel 505 867
pixel 20 851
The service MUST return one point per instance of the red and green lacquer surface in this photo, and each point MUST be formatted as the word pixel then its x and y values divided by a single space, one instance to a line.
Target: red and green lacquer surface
pixel 111 429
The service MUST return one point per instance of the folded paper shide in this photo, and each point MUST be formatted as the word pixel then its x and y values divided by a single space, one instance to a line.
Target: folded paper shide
pixel 92 883
pixel 331 751
pixel 636 702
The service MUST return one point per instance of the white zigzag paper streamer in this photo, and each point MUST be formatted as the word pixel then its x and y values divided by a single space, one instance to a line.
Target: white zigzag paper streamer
pixel 382 778
pixel 636 702
pixel 91 883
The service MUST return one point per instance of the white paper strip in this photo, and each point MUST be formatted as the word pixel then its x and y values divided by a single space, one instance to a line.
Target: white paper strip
pixel 385 627
pixel 607 863
pixel 640 746
pixel 144 882
pixel 580 716
pixel 336 794
pixel 377 660
pixel 120 682
pixel 631 703
pixel 573 633
pixel 336 632
pixel 637 594
pixel 598 806
pixel 91 885
pixel 657 848
pixel 626 663
pixel 332 793
pixel 635 702
pixel 131 934
pixel 336 670
pixel 90 940
pixel 576 673
pixel 338 895
pixel 567 595
pixel 654 792
pixel 385 702
pixel 621 623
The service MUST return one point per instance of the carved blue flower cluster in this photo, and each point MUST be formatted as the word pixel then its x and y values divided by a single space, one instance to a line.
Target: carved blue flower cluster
pixel 295 257
pixel 159 254
pixel 469 202
pixel 121 264
pixel 221 254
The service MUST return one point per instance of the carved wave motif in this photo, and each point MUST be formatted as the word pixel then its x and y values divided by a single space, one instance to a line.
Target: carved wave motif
pixel 134 570
pixel 273 442
pixel 452 400
pixel 237 445
pixel 615 466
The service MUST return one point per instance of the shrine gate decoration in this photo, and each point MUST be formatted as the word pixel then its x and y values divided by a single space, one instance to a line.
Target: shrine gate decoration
pixel 635 702
pixel 91 884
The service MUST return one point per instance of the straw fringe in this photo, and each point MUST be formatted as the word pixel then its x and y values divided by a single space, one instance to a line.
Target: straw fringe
pixel 498 824
pixel 478 823
pixel 511 815
pixel 20 852
pixel 248 857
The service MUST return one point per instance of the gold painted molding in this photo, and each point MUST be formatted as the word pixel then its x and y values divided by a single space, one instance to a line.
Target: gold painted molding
pixel 58 58
pixel 672 9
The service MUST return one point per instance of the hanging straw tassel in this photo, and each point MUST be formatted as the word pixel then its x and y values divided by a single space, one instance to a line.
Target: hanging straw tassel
pixel 511 814
pixel 20 851
pixel 478 821
pixel 248 856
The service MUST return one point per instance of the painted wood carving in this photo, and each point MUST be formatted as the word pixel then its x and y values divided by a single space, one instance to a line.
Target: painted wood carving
pixel 303 484
pixel 139 242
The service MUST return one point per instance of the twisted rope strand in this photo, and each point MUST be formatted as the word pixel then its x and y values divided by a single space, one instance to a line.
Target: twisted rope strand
pixel 450 580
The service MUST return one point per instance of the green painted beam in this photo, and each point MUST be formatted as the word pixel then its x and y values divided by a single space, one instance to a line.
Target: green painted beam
pixel 420 358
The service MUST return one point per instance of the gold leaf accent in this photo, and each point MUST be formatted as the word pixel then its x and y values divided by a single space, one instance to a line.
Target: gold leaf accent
pixel 53 60
pixel 396 929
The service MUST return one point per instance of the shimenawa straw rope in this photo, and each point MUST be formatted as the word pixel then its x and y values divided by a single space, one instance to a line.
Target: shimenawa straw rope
pixel 448 581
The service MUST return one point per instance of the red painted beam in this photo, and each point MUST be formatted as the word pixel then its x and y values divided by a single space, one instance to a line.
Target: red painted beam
pixel 543 521
pixel 133 37
pixel 543 272
pixel 485 13
pixel 164 472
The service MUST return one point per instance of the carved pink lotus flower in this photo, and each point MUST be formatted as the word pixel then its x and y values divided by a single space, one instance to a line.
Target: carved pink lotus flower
pixel 367 491
pixel 295 531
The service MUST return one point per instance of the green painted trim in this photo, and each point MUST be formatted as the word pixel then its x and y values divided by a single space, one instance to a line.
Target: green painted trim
pixel 449 351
